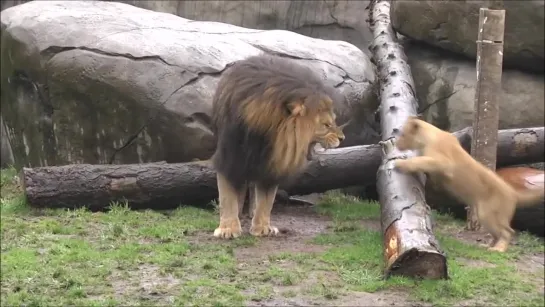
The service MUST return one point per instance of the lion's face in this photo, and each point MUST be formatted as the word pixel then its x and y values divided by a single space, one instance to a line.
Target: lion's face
pixel 327 133
pixel 410 137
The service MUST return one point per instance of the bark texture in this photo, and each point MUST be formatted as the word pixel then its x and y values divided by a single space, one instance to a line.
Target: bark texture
pixel 162 185
pixel 486 110
pixel 410 247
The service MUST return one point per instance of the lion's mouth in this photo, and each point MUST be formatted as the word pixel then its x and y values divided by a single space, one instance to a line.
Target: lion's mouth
pixel 313 148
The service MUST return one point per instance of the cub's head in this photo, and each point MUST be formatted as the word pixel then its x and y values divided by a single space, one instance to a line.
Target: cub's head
pixel 413 135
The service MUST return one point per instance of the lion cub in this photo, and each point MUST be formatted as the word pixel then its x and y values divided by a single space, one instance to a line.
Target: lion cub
pixel 442 157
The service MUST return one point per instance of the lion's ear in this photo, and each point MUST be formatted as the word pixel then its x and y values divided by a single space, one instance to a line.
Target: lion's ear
pixel 297 108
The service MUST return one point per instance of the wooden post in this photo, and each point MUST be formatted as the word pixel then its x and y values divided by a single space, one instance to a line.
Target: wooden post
pixel 486 111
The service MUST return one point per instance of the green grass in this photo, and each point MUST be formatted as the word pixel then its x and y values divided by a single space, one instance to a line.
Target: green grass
pixel 124 257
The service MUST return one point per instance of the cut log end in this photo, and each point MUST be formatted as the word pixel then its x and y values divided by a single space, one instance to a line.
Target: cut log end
pixel 422 262
pixel 418 264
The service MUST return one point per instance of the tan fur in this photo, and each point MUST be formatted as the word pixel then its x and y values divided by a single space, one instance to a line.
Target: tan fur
pixel 292 135
pixel 442 157
pixel 292 129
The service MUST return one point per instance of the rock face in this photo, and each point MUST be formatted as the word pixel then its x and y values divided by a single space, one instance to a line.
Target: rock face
pixel 453 25
pixel 6 155
pixel 445 86
pixel 329 19
pixel 101 82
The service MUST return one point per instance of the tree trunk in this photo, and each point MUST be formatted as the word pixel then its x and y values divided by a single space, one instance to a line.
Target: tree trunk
pixel 530 219
pixel 163 186
pixel 410 247
pixel 487 114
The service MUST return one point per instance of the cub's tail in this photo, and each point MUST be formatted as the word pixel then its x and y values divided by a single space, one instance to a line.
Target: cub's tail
pixel 531 197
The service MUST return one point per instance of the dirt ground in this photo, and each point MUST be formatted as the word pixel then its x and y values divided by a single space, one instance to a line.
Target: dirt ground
pixel 299 224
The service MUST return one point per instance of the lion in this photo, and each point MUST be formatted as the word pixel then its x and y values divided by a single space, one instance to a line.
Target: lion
pixel 268 112
pixel 441 156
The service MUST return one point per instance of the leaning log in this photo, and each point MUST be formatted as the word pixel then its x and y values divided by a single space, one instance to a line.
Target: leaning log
pixel 410 247
pixel 165 186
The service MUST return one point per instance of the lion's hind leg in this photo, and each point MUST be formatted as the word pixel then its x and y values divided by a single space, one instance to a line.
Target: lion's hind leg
pixel 261 222
pixel 229 208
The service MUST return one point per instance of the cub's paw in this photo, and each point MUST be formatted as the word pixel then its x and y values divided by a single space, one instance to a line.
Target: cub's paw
pixel 264 231
pixel 501 248
pixel 228 230
pixel 402 166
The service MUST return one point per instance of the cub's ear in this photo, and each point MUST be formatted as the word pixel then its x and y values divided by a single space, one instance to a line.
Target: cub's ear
pixel 412 123
pixel 297 108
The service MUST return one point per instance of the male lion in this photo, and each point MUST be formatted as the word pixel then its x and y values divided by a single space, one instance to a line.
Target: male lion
pixel 267 114
pixel 444 159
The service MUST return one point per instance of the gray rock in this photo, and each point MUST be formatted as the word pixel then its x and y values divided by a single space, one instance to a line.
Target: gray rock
pixel 96 82
pixel 329 19
pixel 453 25
pixel 445 85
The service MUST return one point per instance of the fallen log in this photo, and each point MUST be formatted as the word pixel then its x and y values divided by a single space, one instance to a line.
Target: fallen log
pixel 530 219
pixel 523 178
pixel 164 186
pixel 410 247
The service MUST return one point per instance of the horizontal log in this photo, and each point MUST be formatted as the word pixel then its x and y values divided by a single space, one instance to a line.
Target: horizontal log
pixel 162 186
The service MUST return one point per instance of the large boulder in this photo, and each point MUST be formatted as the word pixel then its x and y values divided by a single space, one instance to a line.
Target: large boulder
pixel 445 86
pixel 100 82
pixel 453 25
pixel 331 19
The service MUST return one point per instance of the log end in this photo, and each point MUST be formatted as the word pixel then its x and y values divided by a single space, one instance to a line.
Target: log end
pixel 413 253
pixel 419 264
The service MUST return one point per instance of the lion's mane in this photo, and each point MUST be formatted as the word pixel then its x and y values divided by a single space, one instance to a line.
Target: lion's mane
pixel 257 139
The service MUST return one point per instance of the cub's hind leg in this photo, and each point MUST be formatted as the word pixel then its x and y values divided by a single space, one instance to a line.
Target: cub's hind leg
pixel 261 221
pixel 485 216
pixel 503 222
pixel 229 208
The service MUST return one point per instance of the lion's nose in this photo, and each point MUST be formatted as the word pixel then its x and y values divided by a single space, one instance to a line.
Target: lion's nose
pixel 341 138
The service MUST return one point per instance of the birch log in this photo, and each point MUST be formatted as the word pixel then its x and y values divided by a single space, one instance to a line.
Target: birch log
pixel 410 247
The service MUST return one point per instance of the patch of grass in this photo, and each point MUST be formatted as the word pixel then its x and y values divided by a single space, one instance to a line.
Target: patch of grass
pixel 356 255
pixel 347 208
pixel 124 257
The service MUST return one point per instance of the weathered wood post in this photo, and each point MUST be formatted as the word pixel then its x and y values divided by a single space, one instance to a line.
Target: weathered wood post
pixel 410 247
pixel 486 111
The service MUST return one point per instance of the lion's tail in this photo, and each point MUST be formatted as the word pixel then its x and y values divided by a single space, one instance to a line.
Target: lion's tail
pixel 530 197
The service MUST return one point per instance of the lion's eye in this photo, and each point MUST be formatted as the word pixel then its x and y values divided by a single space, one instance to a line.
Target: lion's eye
pixel 327 125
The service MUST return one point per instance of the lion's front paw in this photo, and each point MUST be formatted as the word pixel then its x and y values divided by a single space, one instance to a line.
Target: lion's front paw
pixel 264 231
pixel 228 230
